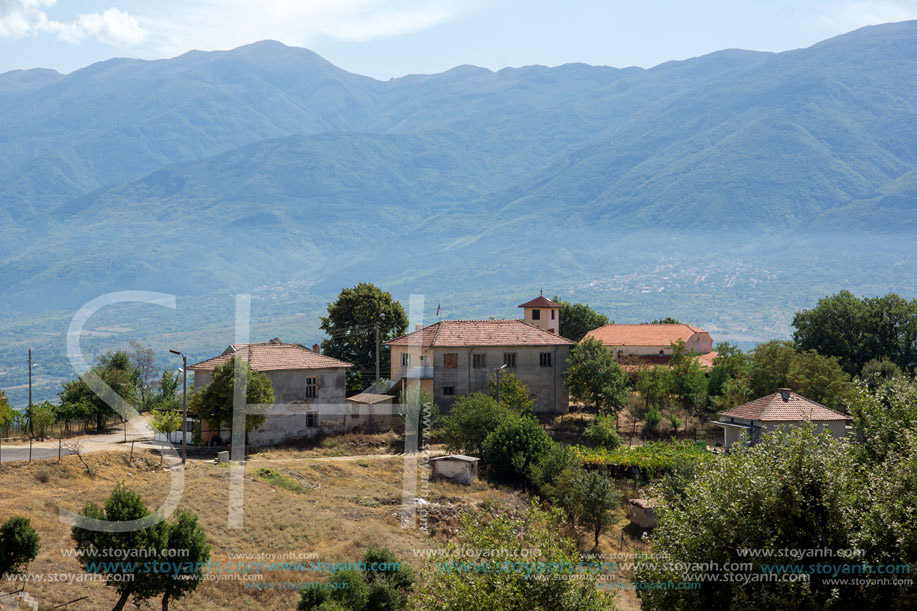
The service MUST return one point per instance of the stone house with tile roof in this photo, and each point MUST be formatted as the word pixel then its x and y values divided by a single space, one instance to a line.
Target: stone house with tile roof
pixel 635 346
pixel 750 420
pixel 302 378
pixel 456 357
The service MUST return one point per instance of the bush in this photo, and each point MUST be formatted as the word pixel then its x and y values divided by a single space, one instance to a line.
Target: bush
pixel 19 544
pixel 472 418
pixel 511 450
pixel 652 419
pixel 602 432
pixel 365 590
pixel 504 537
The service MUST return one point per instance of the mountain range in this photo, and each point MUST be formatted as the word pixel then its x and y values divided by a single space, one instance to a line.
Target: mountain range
pixel 216 170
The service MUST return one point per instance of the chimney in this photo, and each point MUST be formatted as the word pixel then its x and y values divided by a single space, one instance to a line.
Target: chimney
pixel 418 327
pixel 316 349
pixel 784 393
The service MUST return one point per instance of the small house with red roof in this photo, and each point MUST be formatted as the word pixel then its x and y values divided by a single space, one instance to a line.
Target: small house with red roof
pixel 747 422
pixel 301 378
pixel 543 313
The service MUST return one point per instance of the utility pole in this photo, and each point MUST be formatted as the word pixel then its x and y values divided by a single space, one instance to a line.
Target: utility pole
pixel 31 429
pixel 376 328
pixel 499 371
pixel 184 409
pixel 184 404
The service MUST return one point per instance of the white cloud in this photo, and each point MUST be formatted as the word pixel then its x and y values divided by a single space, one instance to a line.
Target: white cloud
pixel 20 18
pixel 225 24
pixel 852 14
pixel 113 26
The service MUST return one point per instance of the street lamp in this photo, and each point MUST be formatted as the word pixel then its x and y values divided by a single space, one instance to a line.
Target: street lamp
pixel 499 371
pixel 184 403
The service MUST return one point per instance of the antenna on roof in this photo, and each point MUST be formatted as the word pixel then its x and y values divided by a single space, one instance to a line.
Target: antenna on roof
pixel 541 292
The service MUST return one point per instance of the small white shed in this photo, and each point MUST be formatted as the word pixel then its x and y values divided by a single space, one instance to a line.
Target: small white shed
pixel 457 468
pixel 642 512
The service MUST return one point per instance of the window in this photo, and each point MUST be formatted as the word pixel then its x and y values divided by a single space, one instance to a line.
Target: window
pixel 450 360
pixel 311 419
pixel 536 314
pixel 405 359
pixel 509 359
pixel 620 354
pixel 545 359
pixel 311 388
pixel 448 390
pixel 479 361
pixel 662 353
pixel 552 314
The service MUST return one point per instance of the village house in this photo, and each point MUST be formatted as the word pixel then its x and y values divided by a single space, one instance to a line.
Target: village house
pixel 301 378
pixel 750 420
pixel 636 346
pixel 456 357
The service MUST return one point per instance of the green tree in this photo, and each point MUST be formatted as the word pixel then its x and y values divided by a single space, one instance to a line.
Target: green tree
pixel 186 542
pixel 819 378
pixel 652 419
pixel 855 331
pixel 505 536
pixel 597 500
pixel 769 364
pixel 668 320
pixel 515 445
pixel 603 432
pixel 594 378
pixel 7 414
pixel 578 319
pixel 42 417
pixel 470 420
pixel 513 393
pixel 791 490
pixel 883 417
pixel 94 546
pixel 689 381
pixel 384 585
pixel 116 370
pixel 654 384
pixel 214 403
pixel 734 392
pixel 350 324
pixel 877 371
pixel 19 544
pixel 730 363
pixel 555 475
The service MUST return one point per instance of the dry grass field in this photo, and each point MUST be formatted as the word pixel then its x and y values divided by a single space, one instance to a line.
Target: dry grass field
pixel 336 509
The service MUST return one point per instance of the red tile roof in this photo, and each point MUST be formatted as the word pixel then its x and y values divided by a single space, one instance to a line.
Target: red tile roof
pixel 272 356
pixel 643 335
pixel 480 333
pixel 773 408
pixel 540 302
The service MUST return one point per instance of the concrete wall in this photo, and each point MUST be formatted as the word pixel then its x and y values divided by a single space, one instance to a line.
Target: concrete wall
pixel 545 322
pixel 551 394
pixel 458 471
pixel 699 343
pixel 290 387
pixel 733 435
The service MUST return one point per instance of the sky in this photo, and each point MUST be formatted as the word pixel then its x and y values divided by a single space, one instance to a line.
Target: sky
pixel 389 38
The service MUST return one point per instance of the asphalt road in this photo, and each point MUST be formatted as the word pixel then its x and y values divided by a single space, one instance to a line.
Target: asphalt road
pixel 18 452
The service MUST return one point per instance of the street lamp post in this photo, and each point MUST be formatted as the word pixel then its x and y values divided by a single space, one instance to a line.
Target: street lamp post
pixel 184 403
pixel 499 371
